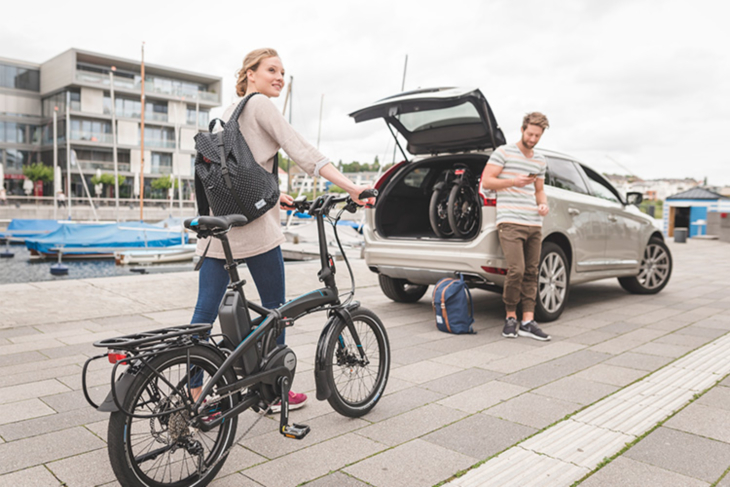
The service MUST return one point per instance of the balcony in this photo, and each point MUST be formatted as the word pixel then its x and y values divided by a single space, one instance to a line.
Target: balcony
pixel 106 166
pixel 92 137
pixel 150 86
pixel 158 143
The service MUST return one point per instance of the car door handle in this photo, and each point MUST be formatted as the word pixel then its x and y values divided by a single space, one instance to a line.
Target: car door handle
pixel 574 211
pixel 612 218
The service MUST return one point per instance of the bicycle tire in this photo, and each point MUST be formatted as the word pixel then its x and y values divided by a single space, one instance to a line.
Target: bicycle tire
pixel 346 376
pixel 462 210
pixel 160 451
pixel 438 210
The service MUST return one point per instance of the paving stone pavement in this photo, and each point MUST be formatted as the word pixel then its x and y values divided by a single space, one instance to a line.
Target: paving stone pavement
pixel 451 401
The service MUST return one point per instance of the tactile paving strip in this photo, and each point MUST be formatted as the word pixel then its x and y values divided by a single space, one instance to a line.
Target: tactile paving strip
pixel 570 449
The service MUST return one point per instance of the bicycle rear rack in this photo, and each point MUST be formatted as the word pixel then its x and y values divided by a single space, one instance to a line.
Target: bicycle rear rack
pixel 139 346
pixel 148 339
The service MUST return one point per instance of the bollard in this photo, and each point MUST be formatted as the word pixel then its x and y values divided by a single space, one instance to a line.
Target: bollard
pixel 680 235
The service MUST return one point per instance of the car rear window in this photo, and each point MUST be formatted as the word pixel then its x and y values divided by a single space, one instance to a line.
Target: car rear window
pixel 563 174
pixel 415 178
pixel 465 113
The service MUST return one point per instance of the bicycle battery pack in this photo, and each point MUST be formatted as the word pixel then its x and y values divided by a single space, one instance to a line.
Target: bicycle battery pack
pixel 236 325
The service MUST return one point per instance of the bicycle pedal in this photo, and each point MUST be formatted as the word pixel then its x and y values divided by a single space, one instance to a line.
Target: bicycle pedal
pixel 296 431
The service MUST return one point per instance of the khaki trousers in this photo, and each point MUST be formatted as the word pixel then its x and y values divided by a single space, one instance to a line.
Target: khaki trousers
pixel 521 245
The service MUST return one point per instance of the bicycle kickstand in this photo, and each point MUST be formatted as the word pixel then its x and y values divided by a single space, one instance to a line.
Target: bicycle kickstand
pixel 296 431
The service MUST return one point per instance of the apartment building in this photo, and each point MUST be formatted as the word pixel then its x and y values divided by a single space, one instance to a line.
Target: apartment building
pixel 177 105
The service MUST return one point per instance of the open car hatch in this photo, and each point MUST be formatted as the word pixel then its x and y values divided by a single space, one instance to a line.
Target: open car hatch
pixel 438 120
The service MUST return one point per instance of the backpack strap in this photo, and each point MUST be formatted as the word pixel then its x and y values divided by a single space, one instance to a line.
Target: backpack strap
pixel 227 177
pixel 237 112
pixel 200 197
pixel 234 118
pixel 444 313
pixel 471 302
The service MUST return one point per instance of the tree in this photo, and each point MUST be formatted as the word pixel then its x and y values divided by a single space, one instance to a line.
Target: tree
pixel 38 172
pixel 165 182
pixel 107 179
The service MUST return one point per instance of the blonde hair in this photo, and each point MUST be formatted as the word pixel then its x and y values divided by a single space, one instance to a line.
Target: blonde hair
pixel 535 118
pixel 252 61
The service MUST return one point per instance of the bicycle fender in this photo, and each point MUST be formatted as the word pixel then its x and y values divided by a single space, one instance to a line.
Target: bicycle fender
pixel 320 358
pixel 121 387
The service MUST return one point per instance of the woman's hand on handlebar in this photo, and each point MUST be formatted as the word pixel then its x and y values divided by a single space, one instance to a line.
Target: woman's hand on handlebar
pixel 286 201
pixel 355 193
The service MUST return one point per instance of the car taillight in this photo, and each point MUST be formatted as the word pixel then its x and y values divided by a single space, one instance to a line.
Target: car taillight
pixel 116 357
pixel 495 270
pixel 388 174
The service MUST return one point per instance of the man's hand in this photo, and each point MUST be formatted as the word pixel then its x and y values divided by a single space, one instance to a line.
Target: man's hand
pixel 521 181
pixel 286 201
pixel 542 209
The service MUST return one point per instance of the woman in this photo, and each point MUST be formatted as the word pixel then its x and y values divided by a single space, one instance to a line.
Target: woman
pixel 258 243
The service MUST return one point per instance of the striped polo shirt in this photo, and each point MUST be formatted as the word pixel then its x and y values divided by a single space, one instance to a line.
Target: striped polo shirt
pixel 518 205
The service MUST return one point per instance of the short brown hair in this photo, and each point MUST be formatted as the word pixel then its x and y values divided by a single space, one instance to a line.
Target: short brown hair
pixel 252 61
pixel 535 118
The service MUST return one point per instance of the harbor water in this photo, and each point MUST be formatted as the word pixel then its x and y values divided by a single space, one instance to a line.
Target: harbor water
pixel 20 269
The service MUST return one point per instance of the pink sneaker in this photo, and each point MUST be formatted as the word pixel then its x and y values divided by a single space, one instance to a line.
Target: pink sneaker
pixel 296 400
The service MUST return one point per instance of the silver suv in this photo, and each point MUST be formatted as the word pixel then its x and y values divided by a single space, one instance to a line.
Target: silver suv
pixel 432 220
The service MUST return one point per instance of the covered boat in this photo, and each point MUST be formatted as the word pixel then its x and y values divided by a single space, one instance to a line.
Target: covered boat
pixel 19 229
pixel 102 239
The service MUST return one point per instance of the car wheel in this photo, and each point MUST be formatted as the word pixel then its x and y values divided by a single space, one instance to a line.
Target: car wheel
pixel 400 290
pixel 655 270
pixel 552 283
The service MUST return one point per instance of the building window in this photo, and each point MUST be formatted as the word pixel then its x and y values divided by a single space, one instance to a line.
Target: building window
pixel 163 137
pixel 48 132
pixel 59 100
pixel 91 130
pixel 19 78
pixel 15 133
pixel 203 116
pixel 161 163
pixel 16 159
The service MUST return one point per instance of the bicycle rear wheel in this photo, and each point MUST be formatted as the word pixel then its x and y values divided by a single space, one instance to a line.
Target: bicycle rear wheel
pixel 357 383
pixel 166 450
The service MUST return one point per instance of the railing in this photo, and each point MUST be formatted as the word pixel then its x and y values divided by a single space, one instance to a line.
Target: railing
pixel 150 87
pixel 79 202
pixel 164 144
pixel 105 138
pixel 104 166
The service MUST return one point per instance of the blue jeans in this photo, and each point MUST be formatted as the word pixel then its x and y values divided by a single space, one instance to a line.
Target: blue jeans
pixel 267 270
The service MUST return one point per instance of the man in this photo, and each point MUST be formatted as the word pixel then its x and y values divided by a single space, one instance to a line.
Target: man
pixel 517 173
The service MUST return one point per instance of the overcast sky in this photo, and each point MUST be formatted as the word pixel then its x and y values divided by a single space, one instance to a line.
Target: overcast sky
pixel 640 84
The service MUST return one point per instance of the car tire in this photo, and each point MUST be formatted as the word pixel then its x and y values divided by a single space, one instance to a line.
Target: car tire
pixel 654 272
pixel 400 290
pixel 553 282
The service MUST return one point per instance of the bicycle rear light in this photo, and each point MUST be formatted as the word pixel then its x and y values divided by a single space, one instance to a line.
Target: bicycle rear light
pixel 115 357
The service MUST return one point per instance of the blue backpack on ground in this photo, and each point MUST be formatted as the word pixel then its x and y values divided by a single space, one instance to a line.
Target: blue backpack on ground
pixel 453 306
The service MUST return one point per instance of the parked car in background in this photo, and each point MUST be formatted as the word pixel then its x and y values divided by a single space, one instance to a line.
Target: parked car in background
pixel 431 219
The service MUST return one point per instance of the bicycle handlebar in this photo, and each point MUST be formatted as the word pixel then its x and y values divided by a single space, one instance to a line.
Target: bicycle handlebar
pixel 323 204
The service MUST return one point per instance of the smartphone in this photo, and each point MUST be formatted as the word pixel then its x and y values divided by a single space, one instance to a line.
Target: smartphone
pixel 532 175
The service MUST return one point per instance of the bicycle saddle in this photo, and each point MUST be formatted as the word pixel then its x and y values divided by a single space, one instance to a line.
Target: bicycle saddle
pixel 215 223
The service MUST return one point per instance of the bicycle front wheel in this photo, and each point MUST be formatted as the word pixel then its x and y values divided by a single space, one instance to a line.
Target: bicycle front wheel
pixel 357 381
pixel 163 449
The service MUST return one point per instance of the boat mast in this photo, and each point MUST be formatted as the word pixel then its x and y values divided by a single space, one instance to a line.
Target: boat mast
pixel 141 146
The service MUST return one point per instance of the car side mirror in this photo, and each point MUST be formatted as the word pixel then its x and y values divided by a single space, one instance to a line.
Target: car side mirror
pixel 634 198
